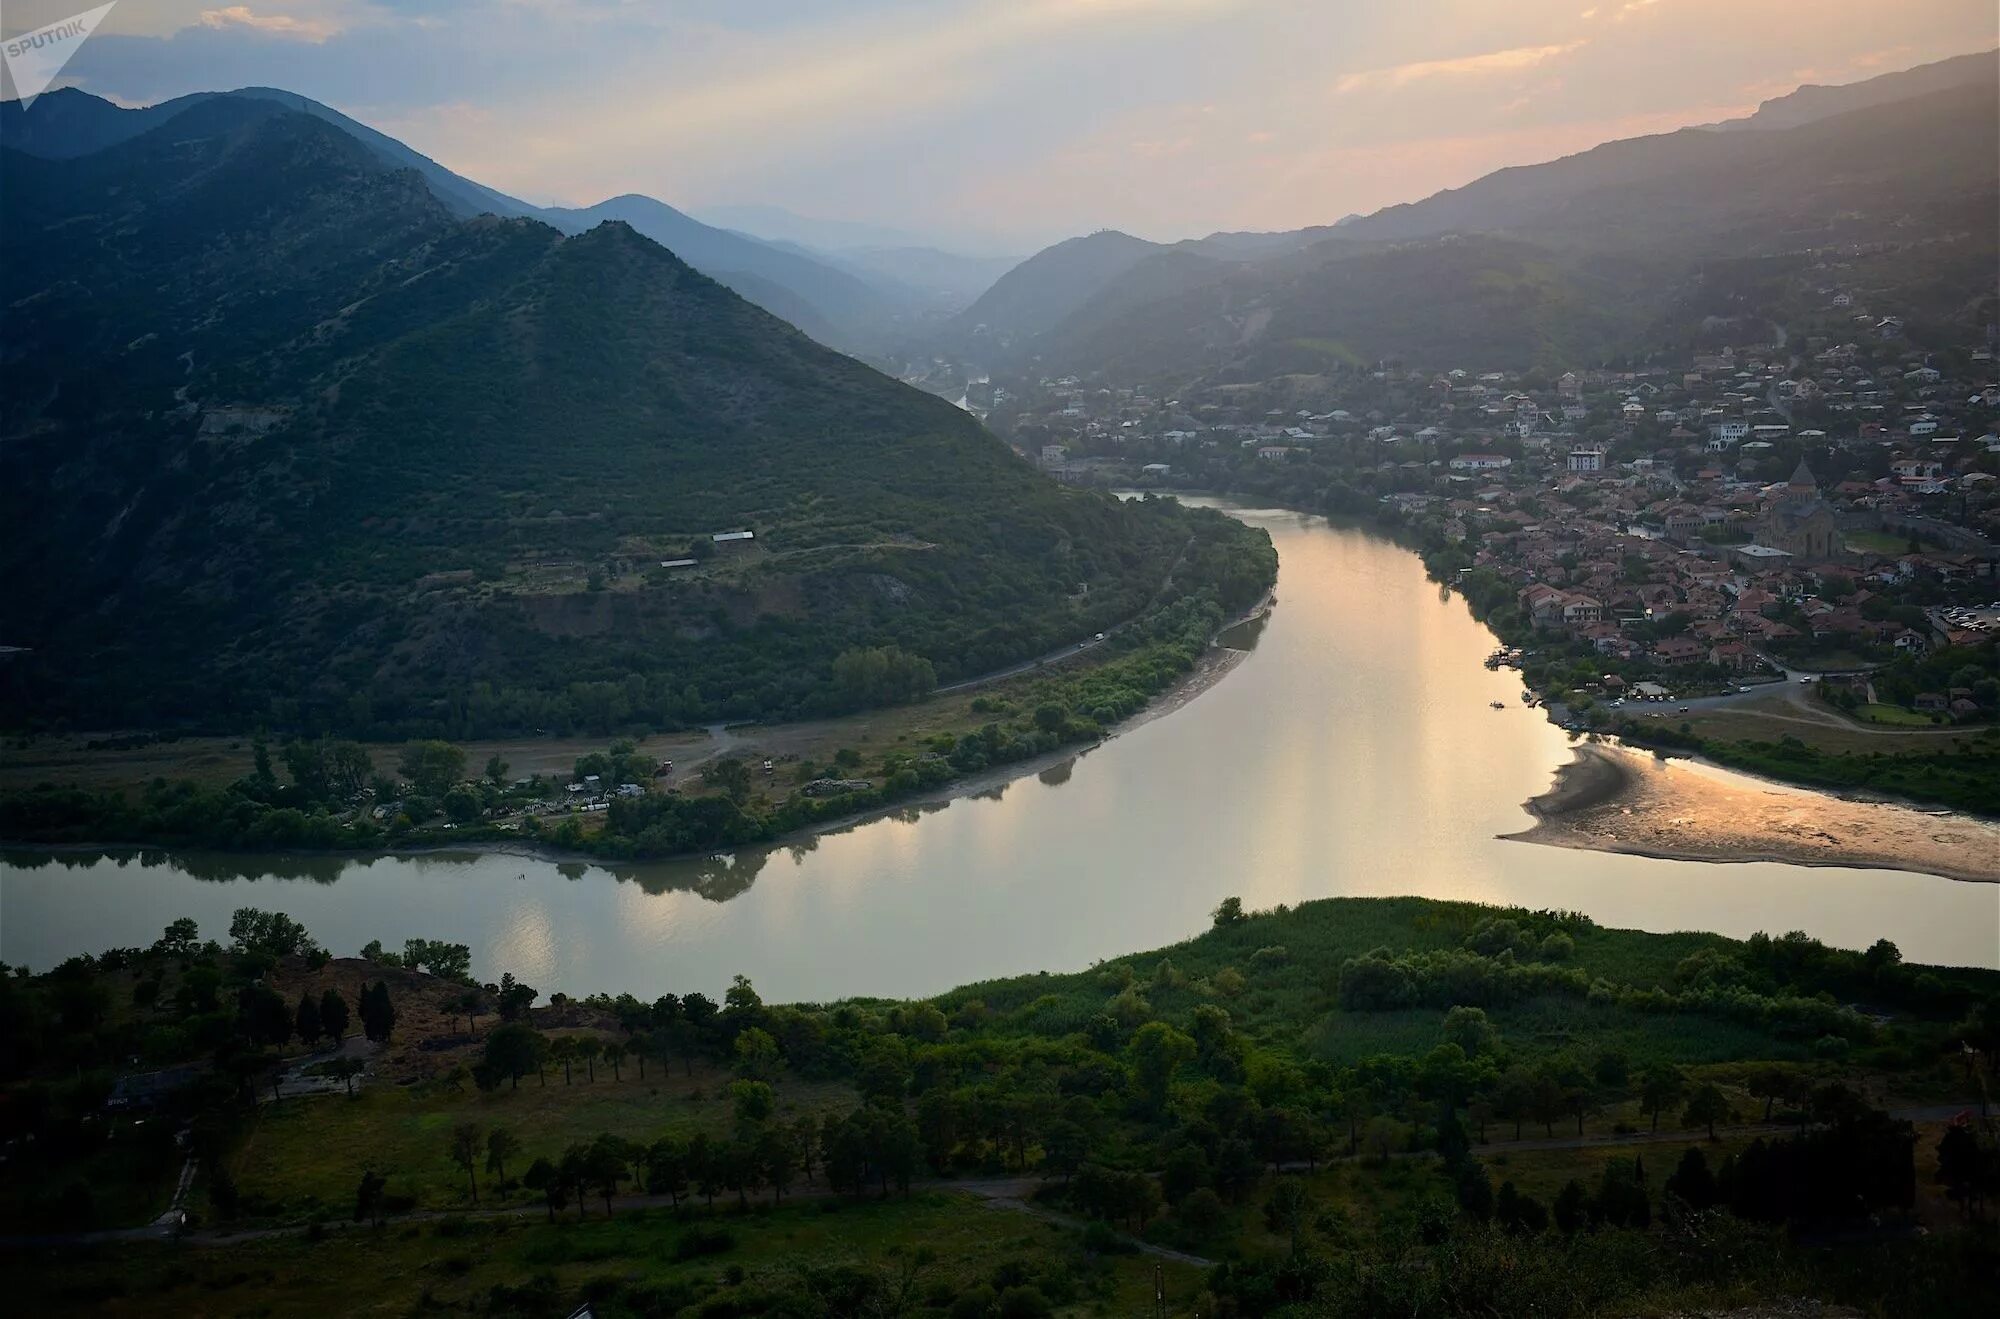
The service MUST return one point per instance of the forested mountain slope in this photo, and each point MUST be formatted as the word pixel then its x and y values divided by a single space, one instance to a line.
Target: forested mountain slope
pixel 283 440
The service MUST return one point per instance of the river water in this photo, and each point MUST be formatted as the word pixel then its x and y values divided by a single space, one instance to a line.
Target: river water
pixel 1353 751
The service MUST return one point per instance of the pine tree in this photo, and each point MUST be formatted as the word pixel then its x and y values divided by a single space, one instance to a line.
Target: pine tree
pixel 307 1020
pixel 333 1015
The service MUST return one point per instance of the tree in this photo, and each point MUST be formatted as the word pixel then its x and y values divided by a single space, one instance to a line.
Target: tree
pixel 501 1146
pixel 333 1015
pixel 514 998
pixel 1514 1099
pixel 1572 1207
pixel 268 933
pixel 1064 1145
pixel 1156 1051
pixel 604 1167
pixel 1228 912
pixel 753 1102
pixel 466 1141
pixel 1771 1083
pixel 1705 1108
pixel 1201 1212
pixel 1475 1191
pixel 432 768
pixel 514 1050
pixel 1691 1182
pixel 563 1051
pixel 496 770
pixel 306 1020
pixel 547 1178
pixel 368 1197
pixel 346 1069
pixel 1471 1031
pixel 614 1053
pixel 1661 1088
pixel 378 1013
pixel 756 1054
pixel 667 1169
pixel 589 1049
pixel 180 938
pixel 468 1005
pixel 1968 1168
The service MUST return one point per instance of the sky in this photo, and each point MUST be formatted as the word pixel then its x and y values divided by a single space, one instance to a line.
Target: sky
pixel 1000 125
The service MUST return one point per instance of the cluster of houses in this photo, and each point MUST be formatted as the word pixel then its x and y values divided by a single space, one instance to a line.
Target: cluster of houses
pixel 1613 499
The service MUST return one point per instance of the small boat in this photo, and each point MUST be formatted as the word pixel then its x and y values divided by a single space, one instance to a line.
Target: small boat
pixel 1498 705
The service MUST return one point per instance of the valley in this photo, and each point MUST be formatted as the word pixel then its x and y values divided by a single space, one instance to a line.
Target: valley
pixel 1402 718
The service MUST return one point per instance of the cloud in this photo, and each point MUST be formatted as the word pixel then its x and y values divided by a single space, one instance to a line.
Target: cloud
pixel 283 26
pixel 1493 61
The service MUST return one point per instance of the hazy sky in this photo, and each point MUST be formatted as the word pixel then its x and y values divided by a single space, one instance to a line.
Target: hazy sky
pixel 1011 121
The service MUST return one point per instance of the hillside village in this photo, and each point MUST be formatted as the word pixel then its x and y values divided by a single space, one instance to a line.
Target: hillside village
pixel 1824 504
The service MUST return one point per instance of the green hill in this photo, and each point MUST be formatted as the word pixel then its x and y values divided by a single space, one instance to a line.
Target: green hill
pixel 283 440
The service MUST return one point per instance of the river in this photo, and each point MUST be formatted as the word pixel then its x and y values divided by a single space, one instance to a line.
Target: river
pixel 1353 751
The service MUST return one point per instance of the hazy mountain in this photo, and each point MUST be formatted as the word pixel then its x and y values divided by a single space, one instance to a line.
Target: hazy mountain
pixel 283 438
pixel 834 305
pixel 1566 261
pixel 1850 177
pixel 1813 102
pixel 778 225
pixel 842 304
pixel 1045 289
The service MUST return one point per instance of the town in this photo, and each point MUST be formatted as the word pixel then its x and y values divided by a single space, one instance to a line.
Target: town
pixel 1814 506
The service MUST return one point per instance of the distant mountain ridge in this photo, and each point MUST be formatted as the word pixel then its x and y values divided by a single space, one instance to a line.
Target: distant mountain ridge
pixel 847 306
pixel 1534 263
pixel 1813 101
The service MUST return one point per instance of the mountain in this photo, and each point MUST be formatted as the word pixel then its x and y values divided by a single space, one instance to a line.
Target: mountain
pixel 1850 177
pixel 284 441
pixel 1040 292
pixel 1814 102
pixel 833 299
pixel 833 304
pixel 1569 261
pixel 777 225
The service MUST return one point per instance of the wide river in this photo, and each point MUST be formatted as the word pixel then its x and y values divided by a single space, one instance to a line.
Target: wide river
pixel 1352 752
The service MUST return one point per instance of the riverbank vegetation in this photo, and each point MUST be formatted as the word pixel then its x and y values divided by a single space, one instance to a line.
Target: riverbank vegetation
pixel 1964 778
pixel 1354 1106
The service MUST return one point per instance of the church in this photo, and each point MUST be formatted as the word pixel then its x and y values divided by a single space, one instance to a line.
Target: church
pixel 1799 522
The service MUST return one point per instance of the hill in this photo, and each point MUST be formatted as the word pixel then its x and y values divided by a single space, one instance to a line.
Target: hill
pixel 284 441
pixel 1042 291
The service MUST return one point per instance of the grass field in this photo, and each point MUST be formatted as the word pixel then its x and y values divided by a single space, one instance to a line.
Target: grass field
pixel 453 1266
pixel 1894 716
pixel 302 1157
pixel 1772 715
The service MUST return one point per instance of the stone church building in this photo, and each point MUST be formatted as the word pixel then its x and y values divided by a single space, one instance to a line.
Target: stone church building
pixel 1799 522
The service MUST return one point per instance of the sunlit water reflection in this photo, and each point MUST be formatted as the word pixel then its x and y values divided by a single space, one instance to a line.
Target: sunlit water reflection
pixel 1353 751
